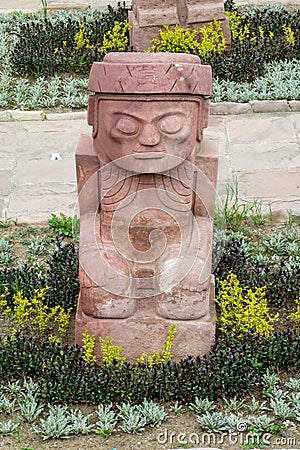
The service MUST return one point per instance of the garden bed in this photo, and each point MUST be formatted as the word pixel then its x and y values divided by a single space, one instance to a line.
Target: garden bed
pixel 236 370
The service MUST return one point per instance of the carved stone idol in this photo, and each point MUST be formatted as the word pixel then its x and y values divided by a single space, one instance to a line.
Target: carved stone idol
pixel 147 18
pixel 146 185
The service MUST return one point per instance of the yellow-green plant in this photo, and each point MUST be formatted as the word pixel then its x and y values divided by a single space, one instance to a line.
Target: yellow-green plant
pixel 242 309
pixel 34 315
pixel 178 41
pixel 117 38
pixel 88 348
pixel 238 31
pixel 165 355
pixel 110 352
pixel 81 40
pixel 210 39
pixel 289 34
pixel 296 315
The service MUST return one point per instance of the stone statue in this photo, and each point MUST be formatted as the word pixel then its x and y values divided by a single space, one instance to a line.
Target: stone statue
pixel 146 196
pixel 147 18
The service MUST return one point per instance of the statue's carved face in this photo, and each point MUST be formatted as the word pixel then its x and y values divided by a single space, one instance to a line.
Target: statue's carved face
pixel 145 132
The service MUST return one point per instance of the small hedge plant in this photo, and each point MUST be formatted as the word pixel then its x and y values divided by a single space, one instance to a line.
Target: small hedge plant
pixel 243 310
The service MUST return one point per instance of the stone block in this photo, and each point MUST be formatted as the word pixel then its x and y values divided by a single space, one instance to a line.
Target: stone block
pixel 276 183
pixel 264 156
pixel 226 108
pixel 31 171
pixel 26 115
pixel 5 116
pixel 267 106
pixel 294 105
pixel 77 115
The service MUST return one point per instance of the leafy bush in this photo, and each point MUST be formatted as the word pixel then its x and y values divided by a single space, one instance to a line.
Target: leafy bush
pixel 181 40
pixel 34 316
pixel 296 315
pixel 260 35
pixel 258 266
pixel 279 81
pixel 242 309
pixel 116 40
pixel 52 45
pixel 65 226
pixel 61 275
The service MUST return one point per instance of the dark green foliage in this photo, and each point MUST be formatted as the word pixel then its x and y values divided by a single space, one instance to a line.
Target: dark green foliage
pixel 23 278
pixel 246 59
pixel 61 276
pixel 232 367
pixel 280 274
pixel 232 256
pixel 229 5
pixel 271 18
pixel 46 46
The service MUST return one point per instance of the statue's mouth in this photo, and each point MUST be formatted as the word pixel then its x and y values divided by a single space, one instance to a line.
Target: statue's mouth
pixel 148 155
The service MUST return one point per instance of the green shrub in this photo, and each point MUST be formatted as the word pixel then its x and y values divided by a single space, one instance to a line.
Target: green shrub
pixel 65 226
pixel 209 40
pixel 259 263
pixel 70 44
pixel 61 275
pixel 243 310
pixel 259 35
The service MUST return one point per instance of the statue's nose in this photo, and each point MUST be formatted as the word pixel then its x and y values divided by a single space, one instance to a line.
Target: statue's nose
pixel 149 136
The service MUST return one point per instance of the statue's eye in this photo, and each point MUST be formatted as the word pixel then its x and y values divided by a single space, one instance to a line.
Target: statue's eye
pixel 127 126
pixel 171 124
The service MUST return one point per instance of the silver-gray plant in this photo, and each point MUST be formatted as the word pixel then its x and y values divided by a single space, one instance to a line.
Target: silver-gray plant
pixel 30 407
pixel 233 404
pixel 13 387
pixel 57 424
pixel 107 419
pixel 7 405
pixel 293 384
pixel 270 380
pixel 237 424
pixel 153 413
pixel 202 405
pixel 213 422
pixel 282 409
pixel 255 406
pixel 261 423
pixel 8 427
pixel 80 423
pixel 133 422
pixel 176 408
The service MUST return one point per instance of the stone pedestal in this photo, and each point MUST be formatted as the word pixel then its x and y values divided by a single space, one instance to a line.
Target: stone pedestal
pixel 147 18
pixel 146 184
